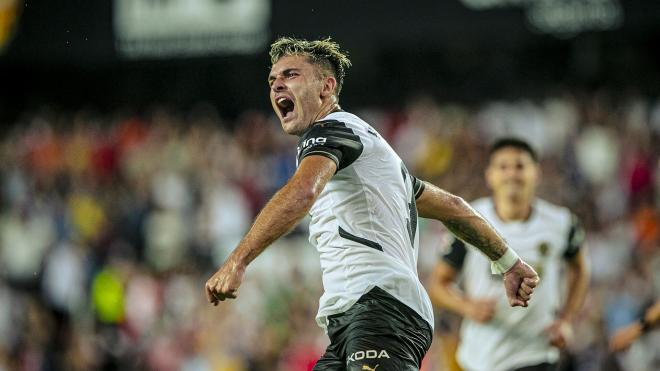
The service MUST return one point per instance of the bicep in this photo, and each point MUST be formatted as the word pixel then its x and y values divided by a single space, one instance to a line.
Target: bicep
pixel 313 174
pixel 436 203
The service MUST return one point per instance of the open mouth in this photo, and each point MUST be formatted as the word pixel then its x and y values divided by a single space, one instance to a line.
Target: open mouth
pixel 286 107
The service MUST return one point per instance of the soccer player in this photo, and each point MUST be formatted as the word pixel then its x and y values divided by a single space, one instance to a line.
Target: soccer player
pixel 493 335
pixel 363 205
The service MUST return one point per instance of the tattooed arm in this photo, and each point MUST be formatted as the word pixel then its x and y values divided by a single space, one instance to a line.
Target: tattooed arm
pixel 466 224
pixel 461 219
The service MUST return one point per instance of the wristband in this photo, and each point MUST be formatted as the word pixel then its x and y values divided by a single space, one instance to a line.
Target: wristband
pixel 505 262
pixel 645 325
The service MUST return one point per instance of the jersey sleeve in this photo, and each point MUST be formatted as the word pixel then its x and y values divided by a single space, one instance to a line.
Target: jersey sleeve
pixel 332 139
pixel 575 239
pixel 418 187
pixel 456 255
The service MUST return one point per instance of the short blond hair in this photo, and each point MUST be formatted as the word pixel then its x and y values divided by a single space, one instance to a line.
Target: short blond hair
pixel 323 53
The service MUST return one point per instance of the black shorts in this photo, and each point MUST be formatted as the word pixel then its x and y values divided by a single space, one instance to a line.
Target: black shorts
pixel 377 333
pixel 539 367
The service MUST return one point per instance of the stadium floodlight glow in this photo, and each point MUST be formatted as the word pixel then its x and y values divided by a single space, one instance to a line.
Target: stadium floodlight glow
pixel 561 17
pixel 568 17
pixel 489 4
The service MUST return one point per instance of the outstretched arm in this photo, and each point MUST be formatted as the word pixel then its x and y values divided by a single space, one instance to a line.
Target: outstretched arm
pixel 464 222
pixel 287 207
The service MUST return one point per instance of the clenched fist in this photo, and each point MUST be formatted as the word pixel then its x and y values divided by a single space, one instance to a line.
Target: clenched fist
pixel 225 282
pixel 519 282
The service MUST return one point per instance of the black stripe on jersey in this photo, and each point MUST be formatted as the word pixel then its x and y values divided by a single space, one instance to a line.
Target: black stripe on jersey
pixel 456 255
pixel 333 137
pixel 334 155
pixel 418 187
pixel 360 240
pixel 576 237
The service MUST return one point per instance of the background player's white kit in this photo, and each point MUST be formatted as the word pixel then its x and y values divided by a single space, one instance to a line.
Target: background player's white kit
pixel 515 337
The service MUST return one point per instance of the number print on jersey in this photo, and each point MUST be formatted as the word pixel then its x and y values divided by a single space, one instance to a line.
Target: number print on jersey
pixel 411 222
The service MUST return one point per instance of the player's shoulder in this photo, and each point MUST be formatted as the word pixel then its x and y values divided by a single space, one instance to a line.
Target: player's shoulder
pixel 353 122
pixel 329 126
pixel 336 123
pixel 346 118
pixel 552 212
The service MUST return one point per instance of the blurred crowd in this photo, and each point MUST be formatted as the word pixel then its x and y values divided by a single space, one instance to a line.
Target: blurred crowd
pixel 111 223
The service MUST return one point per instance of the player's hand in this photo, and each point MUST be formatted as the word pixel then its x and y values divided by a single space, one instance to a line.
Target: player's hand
pixel 480 310
pixel 559 332
pixel 519 282
pixel 624 337
pixel 225 282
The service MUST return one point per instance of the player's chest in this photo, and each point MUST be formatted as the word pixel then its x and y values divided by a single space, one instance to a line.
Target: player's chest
pixel 536 245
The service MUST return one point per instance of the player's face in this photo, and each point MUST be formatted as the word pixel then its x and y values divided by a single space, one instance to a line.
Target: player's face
pixel 296 93
pixel 512 174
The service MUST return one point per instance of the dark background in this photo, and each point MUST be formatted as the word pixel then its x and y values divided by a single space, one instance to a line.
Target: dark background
pixel 64 54
pixel 122 191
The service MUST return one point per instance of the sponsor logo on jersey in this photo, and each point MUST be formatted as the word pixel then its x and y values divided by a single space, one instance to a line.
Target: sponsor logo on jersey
pixel 368 368
pixel 314 141
pixel 311 142
pixel 368 354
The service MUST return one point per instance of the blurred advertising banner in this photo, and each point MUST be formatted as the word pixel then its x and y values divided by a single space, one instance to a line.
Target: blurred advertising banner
pixel 562 17
pixel 170 28
pixel 10 11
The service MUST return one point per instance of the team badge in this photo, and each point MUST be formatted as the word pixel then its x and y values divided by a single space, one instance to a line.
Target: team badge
pixel 544 249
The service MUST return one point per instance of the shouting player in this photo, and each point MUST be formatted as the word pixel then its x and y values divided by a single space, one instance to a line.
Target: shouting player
pixel 364 206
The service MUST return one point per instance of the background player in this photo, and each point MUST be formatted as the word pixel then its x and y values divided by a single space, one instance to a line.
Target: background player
pixel 624 337
pixel 363 206
pixel 493 335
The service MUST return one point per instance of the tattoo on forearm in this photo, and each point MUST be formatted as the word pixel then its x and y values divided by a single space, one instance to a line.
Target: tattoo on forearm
pixel 480 234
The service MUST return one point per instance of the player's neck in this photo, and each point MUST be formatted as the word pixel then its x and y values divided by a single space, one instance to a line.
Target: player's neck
pixel 327 108
pixel 508 211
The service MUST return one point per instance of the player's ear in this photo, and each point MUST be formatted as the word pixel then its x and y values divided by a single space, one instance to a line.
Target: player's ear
pixel 329 86
pixel 537 174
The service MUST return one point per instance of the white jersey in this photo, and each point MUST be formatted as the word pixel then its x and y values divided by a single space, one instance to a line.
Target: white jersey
pixel 364 223
pixel 515 336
